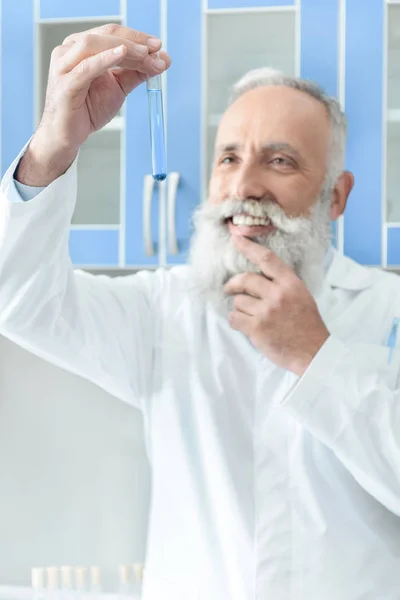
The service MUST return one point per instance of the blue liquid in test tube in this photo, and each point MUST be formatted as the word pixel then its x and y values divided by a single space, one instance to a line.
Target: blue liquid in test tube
pixel 157 134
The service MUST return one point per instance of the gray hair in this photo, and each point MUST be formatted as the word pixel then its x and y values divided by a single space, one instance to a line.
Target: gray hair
pixel 270 77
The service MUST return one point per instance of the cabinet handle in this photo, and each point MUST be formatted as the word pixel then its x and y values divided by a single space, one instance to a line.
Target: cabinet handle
pixel 148 189
pixel 173 182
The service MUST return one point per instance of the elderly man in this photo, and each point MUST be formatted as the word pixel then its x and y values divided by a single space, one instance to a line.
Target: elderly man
pixel 270 400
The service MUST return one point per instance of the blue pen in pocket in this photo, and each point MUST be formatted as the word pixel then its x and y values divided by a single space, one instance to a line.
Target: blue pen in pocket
pixel 392 338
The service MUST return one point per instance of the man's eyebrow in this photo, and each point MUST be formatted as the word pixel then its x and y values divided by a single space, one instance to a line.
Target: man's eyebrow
pixel 273 147
pixel 282 147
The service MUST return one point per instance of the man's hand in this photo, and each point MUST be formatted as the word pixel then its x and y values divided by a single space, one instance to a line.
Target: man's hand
pixel 90 75
pixel 276 312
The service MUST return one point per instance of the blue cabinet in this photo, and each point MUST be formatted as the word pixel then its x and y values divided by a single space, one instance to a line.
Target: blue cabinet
pixel 364 221
pixel 184 121
pixel 116 222
pixel 17 78
pixel 344 46
pixel 142 216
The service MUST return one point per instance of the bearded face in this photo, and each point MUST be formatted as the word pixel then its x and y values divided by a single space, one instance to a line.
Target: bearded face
pixel 272 181
pixel 300 242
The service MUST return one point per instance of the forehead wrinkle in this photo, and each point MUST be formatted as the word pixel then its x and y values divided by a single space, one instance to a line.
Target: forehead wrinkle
pixel 229 147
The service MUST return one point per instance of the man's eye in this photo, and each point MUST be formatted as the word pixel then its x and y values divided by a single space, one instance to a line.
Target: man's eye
pixel 280 160
pixel 227 160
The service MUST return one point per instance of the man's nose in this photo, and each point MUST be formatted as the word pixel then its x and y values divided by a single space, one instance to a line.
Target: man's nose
pixel 248 183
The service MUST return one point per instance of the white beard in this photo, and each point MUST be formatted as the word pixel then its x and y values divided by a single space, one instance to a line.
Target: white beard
pixel 300 242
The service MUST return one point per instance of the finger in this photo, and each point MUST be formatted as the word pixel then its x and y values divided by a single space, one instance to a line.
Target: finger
pixel 83 46
pixel 56 57
pixel 126 33
pixel 92 67
pixel 272 266
pixel 154 64
pixel 165 57
pixel 128 80
pixel 247 304
pixel 248 283
pixel 241 322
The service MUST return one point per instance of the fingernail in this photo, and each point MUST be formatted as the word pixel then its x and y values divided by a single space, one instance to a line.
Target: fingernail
pixel 159 64
pixel 140 49
pixel 119 50
pixel 153 43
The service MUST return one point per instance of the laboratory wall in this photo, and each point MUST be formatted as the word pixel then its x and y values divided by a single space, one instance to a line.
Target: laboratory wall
pixel 74 478
pixel 350 47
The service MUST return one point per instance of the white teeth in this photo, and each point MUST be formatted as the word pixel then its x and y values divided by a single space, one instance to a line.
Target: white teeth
pixel 247 220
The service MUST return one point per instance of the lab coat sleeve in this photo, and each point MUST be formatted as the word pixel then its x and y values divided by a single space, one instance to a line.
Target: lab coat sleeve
pixel 97 327
pixel 349 399
pixel 26 192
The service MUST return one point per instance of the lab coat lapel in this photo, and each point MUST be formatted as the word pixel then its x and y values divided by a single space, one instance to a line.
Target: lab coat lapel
pixel 346 274
pixel 346 304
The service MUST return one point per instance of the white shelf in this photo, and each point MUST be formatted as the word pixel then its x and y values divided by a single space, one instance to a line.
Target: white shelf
pixel 393 115
pixel 116 124
pixel 74 20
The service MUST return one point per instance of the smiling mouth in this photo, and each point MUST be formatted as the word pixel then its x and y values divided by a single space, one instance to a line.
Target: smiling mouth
pixel 244 220
pixel 245 225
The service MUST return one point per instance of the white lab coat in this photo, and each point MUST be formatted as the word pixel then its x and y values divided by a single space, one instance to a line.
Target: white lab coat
pixel 265 486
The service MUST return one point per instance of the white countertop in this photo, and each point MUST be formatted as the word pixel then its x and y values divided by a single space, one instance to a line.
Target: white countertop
pixel 28 593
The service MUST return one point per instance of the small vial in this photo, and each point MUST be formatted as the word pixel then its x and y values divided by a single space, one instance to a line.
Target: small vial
pixel 37 582
pixel 66 578
pixel 157 131
pixel 52 582
pixel 138 569
pixel 81 578
pixel 125 587
pixel 95 580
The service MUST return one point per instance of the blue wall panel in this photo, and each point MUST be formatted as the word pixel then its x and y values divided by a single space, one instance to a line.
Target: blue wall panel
pixel 95 247
pixel 364 80
pixel 320 50
pixel 17 63
pixel 320 43
pixel 184 113
pixel 54 9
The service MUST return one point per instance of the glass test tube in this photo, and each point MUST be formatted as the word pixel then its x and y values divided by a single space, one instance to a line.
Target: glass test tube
pixel 157 132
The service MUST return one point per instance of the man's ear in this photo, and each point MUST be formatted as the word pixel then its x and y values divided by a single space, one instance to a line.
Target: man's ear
pixel 340 194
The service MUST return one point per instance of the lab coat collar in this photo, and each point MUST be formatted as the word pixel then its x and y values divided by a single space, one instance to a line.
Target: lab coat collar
pixel 347 274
